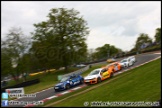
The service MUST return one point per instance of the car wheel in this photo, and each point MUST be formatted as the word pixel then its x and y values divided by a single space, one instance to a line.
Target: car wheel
pixel 56 90
pixel 111 75
pixel 67 86
pixel 121 68
pixel 124 66
pixel 98 80
pixel 113 71
pixel 81 81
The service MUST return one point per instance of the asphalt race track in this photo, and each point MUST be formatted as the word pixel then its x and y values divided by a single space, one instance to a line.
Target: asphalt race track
pixel 141 58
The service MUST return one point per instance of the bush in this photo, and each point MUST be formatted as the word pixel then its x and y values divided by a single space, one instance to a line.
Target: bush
pixel 152 48
pixel 131 53
pixel 148 49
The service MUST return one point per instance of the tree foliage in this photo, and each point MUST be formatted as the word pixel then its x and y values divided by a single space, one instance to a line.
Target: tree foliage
pixel 158 35
pixel 60 41
pixel 143 38
pixel 13 48
pixel 105 51
pixel 6 63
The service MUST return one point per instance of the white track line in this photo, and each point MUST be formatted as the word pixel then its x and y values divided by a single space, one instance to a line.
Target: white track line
pixel 65 92
pixel 52 97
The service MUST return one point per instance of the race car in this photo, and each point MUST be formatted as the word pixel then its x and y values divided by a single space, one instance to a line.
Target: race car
pixel 128 61
pixel 111 60
pixel 97 76
pixel 68 82
pixel 132 58
pixel 124 63
pixel 114 67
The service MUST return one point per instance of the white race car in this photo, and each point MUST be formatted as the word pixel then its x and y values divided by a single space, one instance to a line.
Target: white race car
pixel 132 58
pixel 124 63
pixel 128 61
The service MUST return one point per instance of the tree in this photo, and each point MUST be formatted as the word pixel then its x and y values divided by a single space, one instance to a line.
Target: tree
pixel 105 51
pixel 141 40
pixel 90 55
pixel 158 35
pixel 14 47
pixel 61 39
pixel 6 63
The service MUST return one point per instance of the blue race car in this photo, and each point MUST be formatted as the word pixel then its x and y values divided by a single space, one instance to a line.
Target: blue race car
pixel 69 81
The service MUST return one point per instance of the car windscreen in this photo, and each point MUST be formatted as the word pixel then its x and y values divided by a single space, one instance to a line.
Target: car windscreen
pixel 64 79
pixel 123 61
pixel 94 72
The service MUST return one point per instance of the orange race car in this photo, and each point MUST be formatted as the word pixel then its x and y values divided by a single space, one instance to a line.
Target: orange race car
pixel 114 67
pixel 98 75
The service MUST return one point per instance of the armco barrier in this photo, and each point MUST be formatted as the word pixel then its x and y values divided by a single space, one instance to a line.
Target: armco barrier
pixel 23 84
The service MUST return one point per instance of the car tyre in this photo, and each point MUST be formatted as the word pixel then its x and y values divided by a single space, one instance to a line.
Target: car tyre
pixel 132 63
pixel 98 80
pixel 67 86
pixel 113 71
pixel 111 75
pixel 121 68
pixel 82 81
pixel 56 90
